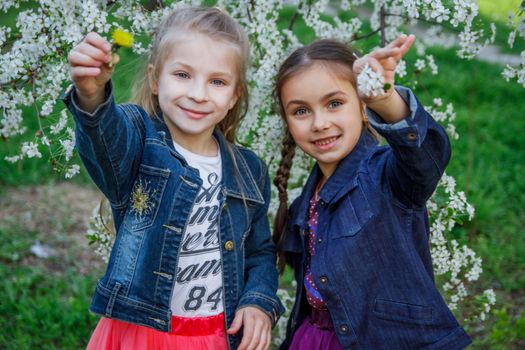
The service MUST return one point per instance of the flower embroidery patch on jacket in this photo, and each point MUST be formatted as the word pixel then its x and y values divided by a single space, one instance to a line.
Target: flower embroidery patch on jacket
pixel 141 203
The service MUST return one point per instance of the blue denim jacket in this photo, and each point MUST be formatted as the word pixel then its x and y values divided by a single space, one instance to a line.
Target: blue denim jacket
pixel 127 153
pixel 372 261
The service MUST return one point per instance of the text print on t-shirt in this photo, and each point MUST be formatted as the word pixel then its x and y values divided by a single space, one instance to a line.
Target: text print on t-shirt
pixel 198 287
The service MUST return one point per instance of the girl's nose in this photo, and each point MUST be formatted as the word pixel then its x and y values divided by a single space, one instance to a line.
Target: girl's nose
pixel 320 122
pixel 198 92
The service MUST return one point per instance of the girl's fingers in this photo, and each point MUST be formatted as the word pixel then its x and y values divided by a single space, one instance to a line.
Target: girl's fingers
pixel 396 49
pixel 97 41
pixel 115 58
pixel 94 52
pixel 398 41
pixel 385 52
pixel 77 58
pixel 264 342
pixel 82 72
pixel 256 334
pixel 91 52
pixel 247 336
pixel 407 44
pixel 237 323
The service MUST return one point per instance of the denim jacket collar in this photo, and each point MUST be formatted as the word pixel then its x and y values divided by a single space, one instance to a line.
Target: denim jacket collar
pixel 242 185
pixel 342 180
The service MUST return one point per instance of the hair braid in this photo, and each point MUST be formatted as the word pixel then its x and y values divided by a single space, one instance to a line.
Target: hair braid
pixel 281 182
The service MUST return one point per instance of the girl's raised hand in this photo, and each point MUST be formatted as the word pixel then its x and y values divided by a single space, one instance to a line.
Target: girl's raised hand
pixel 384 61
pixel 90 68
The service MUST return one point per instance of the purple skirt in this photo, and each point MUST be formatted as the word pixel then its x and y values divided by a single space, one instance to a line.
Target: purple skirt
pixel 316 333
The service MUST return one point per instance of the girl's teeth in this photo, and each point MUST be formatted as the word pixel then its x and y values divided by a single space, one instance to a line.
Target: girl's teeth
pixel 326 141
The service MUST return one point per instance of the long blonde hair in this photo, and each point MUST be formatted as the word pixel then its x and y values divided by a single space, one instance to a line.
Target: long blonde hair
pixel 209 21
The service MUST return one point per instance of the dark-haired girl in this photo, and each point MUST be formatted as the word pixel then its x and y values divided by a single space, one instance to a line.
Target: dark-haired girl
pixel 357 237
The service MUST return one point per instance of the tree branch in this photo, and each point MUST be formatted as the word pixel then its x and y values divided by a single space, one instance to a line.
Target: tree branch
pixel 382 26
pixel 294 17
pixel 423 20
pixel 40 127
pixel 356 37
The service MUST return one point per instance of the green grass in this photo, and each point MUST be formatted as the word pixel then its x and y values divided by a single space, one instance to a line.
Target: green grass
pixel 43 304
pixel 43 312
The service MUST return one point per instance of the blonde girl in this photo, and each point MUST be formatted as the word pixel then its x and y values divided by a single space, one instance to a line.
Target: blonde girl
pixel 193 264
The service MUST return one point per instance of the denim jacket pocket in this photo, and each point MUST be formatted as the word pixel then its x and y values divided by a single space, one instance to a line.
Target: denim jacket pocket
pixel 352 214
pixel 402 312
pixel 145 197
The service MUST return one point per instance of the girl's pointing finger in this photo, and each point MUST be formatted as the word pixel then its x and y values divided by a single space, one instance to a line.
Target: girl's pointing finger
pixel 97 41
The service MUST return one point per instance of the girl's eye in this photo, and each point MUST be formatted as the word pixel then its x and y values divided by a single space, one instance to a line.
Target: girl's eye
pixel 218 82
pixel 334 104
pixel 299 112
pixel 182 75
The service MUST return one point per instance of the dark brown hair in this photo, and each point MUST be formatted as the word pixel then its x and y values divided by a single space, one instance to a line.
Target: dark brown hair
pixel 335 55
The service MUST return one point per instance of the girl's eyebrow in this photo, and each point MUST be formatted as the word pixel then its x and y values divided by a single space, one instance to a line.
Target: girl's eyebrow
pixel 325 97
pixel 190 68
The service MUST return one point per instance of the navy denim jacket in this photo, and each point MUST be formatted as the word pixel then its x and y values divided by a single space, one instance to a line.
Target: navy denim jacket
pixel 129 154
pixel 372 261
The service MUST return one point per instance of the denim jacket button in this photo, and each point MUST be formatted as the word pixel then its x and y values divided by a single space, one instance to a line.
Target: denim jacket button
pixel 343 328
pixel 323 279
pixel 228 245
pixel 411 136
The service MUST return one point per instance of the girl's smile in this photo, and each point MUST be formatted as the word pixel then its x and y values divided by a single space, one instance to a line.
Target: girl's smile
pixel 326 143
pixel 194 114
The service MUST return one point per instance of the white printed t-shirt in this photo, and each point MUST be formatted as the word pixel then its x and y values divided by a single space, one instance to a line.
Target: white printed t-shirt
pixel 198 287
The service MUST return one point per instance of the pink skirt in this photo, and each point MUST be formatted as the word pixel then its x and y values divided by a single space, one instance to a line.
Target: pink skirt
pixel 186 333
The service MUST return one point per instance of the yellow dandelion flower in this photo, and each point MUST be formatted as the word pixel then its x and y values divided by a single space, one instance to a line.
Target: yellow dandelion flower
pixel 121 38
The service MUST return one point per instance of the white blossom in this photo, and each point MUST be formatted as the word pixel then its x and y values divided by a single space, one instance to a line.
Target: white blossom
pixel 61 124
pixel 512 37
pixel 432 64
pixel 420 64
pixel 72 171
pixel 68 145
pixel 30 150
pixel 12 159
pixel 369 82
pixel 401 68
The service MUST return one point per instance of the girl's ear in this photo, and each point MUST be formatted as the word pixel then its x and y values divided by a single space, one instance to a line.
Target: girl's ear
pixel 235 97
pixel 364 117
pixel 152 80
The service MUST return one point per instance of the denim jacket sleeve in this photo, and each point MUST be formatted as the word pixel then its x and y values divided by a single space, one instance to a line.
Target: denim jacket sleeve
pixel 109 143
pixel 420 151
pixel 261 274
